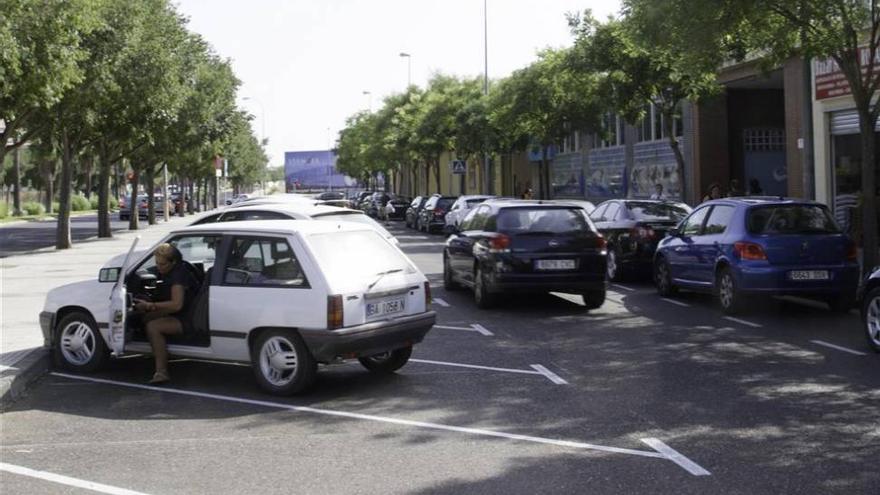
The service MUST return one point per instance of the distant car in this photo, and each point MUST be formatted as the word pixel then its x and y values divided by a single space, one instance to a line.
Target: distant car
pixel 294 211
pixel 125 208
pixel 283 296
pixel 462 206
pixel 738 248
pixel 871 310
pixel 633 228
pixel 432 217
pixel 331 195
pixel 411 217
pixel 400 204
pixel 526 246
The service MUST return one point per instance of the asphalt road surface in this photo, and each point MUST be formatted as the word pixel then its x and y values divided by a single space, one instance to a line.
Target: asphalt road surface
pixel 644 395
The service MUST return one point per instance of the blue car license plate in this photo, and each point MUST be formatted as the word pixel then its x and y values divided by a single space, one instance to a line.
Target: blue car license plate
pixel 808 275
pixel 387 307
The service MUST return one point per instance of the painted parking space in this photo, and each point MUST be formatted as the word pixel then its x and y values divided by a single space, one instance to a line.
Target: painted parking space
pixel 658 449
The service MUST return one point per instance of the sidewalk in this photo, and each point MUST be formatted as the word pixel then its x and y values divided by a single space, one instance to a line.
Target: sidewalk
pixel 24 282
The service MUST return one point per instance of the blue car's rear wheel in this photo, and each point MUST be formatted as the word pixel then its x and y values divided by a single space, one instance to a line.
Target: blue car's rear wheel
pixel 729 296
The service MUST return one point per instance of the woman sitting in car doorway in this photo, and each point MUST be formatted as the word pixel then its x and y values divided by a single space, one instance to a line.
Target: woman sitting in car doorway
pixel 170 316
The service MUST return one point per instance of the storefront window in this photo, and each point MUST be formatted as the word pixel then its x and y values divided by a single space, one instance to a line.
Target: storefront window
pixel 848 180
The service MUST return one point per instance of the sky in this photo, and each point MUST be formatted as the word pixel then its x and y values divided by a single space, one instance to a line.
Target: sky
pixel 307 65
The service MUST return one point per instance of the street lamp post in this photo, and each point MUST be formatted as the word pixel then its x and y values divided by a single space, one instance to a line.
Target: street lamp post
pixel 487 173
pixel 369 99
pixel 408 68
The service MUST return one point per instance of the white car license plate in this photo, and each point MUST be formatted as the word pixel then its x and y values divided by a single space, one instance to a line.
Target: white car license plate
pixel 554 264
pixel 808 275
pixel 387 307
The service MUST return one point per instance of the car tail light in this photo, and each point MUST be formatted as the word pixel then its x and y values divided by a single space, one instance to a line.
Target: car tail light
pixel 439 212
pixel 601 243
pixel 334 312
pixel 749 251
pixel 499 244
pixel 642 233
pixel 122 203
pixel 427 295
pixel 852 252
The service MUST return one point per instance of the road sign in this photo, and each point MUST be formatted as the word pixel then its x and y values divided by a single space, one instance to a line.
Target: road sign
pixel 458 166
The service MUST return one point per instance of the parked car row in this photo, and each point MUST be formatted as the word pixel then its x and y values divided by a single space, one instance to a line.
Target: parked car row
pixel 143 206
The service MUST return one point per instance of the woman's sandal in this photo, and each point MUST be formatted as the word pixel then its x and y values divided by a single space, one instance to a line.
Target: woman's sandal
pixel 160 377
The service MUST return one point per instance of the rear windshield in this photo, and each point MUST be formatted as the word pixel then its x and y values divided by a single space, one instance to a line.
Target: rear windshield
pixel 655 212
pixel 791 219
pixel 444 203
pixel 542 220
pixel 473 202
pixel 355 218
pixel 347 267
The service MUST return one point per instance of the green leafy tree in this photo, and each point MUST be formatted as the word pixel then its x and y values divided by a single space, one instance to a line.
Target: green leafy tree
pixel 642 64
pixel 847 32
pixel 543 103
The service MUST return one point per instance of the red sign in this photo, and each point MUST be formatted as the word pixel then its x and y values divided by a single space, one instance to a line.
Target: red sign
pixel 830 81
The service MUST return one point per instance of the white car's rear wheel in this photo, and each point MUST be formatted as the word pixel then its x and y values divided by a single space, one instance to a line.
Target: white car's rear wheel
pixel 79 345
pixel 283 364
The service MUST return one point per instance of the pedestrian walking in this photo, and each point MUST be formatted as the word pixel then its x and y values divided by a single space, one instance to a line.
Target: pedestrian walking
pixel 734 189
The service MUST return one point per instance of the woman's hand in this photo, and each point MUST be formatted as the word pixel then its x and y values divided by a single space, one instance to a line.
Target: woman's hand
pixel 144 306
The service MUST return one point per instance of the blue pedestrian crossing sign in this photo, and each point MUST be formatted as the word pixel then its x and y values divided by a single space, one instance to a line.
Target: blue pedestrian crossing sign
pixel 458 166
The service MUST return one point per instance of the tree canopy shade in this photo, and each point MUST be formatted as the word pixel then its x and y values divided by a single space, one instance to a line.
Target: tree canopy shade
pixel 643 61
pixel 104 81
pixel 846 31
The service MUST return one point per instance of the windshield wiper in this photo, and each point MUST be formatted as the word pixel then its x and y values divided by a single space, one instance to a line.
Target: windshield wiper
pixel 382 274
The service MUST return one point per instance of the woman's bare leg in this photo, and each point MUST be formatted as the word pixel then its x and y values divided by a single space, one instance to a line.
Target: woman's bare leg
pixel 156 331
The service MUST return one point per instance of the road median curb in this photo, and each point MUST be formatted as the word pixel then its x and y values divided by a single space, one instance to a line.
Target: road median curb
pixel 15 380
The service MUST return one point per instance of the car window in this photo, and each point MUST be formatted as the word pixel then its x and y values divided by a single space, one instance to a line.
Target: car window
pixel 791 219
pixel 263 261
pixel 354 218
pixel 196 249
pixel 208 219
pixel 719 219
pixel 611 213
pixel 431 202
pixel 415 202
pixel 443 203
pixel 466 221
pixel 352 269
pixel 478 220
pixel 644 211
pixel 694 223
pixel 238 216
pixel 474 202
pixel 598 214
pixel 515 221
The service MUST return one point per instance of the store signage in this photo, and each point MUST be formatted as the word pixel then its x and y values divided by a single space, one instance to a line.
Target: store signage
pixel 830 80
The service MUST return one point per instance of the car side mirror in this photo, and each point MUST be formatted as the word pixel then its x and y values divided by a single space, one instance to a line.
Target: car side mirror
pixel 674 232
pixel 108 275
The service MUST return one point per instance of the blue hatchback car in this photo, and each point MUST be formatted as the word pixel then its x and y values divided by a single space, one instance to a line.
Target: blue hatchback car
pixel 741 247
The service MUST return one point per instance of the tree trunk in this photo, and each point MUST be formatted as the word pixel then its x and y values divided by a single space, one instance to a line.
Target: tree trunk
pixel 62 232
pixel 104 193
pixel 867 122
pixel 133 216
pixel 151 200
pixel 16 182
pixel 190 205
pixel 541 184
pixel 437 173
pixel 88 165
pixel 49 177
pixel 668 116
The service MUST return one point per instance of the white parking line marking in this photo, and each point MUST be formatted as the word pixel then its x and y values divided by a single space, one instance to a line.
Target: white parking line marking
pixel 447 327
pixel 678 459
pixel 476 366
pixel 744 322
pixel 66 480
pixel 441 302
pixel 549 374
pixel 677 303
pixel 481 329
pixel 844 349
pixel 674 456
pixel 618 286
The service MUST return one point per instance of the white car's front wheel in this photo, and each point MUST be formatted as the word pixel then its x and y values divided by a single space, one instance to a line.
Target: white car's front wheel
pixel 282 363
pixel 79 345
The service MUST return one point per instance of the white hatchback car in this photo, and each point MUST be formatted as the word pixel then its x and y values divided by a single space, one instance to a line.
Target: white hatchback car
pixel 283 295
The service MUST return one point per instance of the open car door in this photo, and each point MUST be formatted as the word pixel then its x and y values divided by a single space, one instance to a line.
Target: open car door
pixel 119 305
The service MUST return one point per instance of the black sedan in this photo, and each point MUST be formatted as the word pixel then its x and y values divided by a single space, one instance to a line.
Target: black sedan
pixel 526 246
pixel 633 228
pixel 412 213
pixel 432 218
pixel 400 204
